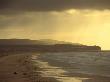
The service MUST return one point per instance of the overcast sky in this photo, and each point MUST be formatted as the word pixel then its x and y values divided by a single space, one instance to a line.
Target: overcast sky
pixel 50 5
pixel 79 21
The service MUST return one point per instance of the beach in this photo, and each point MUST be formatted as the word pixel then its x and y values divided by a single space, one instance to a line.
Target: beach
pixel 16 68
pixel 20 68
pixel 53 67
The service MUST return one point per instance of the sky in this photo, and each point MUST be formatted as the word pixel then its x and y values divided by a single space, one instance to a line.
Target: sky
pixel 77 21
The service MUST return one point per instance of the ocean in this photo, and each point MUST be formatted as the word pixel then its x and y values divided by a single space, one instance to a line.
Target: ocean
pixel 74 66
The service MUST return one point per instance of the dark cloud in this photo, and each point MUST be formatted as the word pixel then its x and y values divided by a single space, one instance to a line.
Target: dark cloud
pixel 51 5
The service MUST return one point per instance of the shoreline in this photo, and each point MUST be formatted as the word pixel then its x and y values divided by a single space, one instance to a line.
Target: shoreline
pixel 21 68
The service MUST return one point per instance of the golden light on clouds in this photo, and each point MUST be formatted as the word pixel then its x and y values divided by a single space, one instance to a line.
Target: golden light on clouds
pixel 91 27
pixel 94 29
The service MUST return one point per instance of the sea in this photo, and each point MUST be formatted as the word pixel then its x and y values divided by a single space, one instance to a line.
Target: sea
pixel 74 66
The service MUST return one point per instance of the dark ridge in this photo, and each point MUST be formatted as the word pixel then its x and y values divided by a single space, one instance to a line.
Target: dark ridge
pixel 43 46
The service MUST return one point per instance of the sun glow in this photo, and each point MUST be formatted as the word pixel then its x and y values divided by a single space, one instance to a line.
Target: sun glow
pixel 91 27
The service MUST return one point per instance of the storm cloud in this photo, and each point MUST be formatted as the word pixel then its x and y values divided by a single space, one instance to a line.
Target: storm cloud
pixel 52 5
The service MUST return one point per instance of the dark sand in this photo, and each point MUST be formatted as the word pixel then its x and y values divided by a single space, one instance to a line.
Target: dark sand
pixel 19 68
pixel 16 68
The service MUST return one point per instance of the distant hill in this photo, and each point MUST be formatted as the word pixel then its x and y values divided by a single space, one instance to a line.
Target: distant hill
pixel 53 42
pixel 43 45
pixel 33 42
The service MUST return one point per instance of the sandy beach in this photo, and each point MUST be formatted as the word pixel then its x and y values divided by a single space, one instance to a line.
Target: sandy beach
pixel 19 68
pixel 16 68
